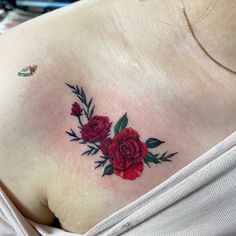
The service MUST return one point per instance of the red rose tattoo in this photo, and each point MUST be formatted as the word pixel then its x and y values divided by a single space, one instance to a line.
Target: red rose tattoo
pixel 97 129
pixel 123 154
pixel 126 154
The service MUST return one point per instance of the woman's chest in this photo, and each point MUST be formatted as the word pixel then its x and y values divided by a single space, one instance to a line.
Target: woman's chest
pixel 129 138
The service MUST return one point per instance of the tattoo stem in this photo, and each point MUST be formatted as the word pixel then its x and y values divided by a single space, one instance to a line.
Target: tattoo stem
pixel 80 121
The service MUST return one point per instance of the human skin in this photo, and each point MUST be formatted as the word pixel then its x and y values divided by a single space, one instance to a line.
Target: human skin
pixel 136 57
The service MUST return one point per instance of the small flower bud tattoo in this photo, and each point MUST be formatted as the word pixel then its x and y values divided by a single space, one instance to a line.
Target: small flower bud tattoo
pixel 28 71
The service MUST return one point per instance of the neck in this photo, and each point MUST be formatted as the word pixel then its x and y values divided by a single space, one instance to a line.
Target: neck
pixel 214 24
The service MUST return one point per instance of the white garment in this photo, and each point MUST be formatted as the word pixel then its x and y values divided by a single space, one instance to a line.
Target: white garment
pixel 199 200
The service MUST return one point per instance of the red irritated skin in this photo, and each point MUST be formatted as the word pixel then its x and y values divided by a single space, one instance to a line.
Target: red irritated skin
pixel 123 154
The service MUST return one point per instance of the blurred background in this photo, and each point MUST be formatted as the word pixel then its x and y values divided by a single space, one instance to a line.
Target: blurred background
pixel 14 12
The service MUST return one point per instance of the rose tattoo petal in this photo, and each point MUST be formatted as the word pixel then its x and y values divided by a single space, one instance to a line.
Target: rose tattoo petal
pixel 105 144
pixel 132 173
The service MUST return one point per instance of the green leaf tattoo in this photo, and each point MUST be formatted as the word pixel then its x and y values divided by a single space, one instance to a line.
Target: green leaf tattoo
pixel 121 124
pixel 150 158
pixel 153 142
pixel 109 170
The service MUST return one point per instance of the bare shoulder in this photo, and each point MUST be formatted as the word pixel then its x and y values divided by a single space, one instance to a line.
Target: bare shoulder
pixel 27 95
pixel 34 149
pixel 94 119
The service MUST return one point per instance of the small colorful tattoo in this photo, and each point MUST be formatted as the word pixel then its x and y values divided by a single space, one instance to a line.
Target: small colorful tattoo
pixel 28 71
pixel 123 154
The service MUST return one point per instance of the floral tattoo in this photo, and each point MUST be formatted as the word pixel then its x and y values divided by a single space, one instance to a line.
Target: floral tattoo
pixel 28 71
pixel 123 154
